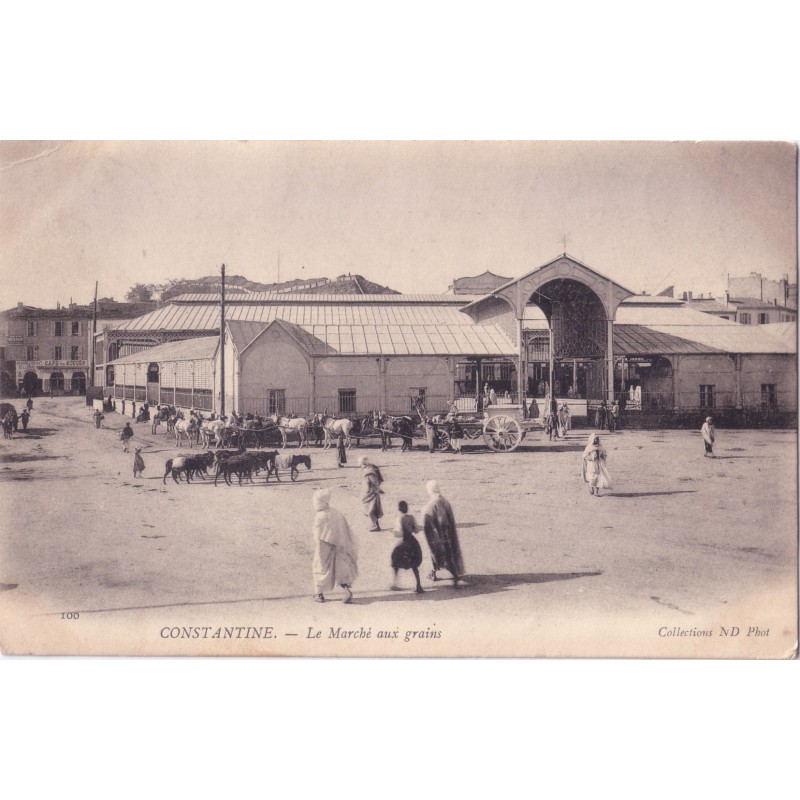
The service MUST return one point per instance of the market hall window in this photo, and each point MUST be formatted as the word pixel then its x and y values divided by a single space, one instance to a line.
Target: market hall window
pixel 277 401
pixel 707 395
pixel 763 319
pixel 769 395
pixel 347 401
pixel 744 319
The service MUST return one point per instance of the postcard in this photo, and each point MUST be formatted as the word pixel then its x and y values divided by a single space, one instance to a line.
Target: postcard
pixel 399 399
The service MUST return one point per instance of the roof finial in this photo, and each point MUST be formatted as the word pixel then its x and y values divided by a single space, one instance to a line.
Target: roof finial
pixel 564 240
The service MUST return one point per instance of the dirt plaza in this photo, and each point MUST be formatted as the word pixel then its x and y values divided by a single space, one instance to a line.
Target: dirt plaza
pixel 685 557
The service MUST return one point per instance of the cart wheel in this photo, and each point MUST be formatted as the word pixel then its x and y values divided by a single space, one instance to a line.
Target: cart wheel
pixel 443 445
pixel 502 433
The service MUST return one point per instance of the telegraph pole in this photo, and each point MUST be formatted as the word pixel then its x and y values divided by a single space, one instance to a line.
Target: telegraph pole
pixel 222 346
pixel 92 339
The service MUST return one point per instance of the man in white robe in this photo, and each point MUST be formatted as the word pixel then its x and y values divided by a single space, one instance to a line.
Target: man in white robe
pixel 335 560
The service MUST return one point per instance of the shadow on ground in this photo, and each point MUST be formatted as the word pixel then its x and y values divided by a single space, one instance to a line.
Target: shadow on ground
pixel 474 585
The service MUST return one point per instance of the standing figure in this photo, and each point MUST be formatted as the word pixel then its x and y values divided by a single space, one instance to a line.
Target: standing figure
pixel 407 554
pixel 98 417
pixel 138 462
pixel 441 534
pixel 430 434
pixel 341 453
pixel 564 419
pixel 614 416
pixel 623 401
pixel 600 416
pixel 492 396
pixel 456 436
pixel 553 410
pixel 533 412
pixel 126 434
pixel 24 416
pixel 371 480
pixel 709 435
pixel 29 404
pixel 595 472
pixel 335 561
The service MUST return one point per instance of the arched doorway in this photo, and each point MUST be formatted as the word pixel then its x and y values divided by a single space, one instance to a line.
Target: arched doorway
pixel 78 383
pixel 57 382
pixel 153 379
pixel 31 384
pixel 579 329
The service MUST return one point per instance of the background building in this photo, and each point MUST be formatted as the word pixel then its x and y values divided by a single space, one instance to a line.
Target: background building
pixel 562 325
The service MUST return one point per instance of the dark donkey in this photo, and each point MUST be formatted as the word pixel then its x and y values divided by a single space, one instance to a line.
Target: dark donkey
pixel 288 462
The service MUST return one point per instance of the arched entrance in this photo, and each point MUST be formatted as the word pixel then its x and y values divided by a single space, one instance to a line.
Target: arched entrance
pixel 577 350
pixel 57 382
pixel 31 384
pixel 153 381
pixel 78 383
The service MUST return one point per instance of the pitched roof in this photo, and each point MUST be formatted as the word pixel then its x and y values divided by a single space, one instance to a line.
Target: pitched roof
pixel 639 340
pixel 197 349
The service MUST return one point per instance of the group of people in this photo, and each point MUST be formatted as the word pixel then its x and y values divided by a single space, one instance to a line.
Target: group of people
pixel 335 559
pixel 609 419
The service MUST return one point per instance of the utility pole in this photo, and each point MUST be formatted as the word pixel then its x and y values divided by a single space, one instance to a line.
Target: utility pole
pixel 222 346
pixel 92 339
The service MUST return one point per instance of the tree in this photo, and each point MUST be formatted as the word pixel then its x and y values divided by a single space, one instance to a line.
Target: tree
pixel 140 293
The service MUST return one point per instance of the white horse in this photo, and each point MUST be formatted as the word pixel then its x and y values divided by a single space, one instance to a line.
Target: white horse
pixel 288 425
pixel 183 428
pixel 333 427
pixel 210 431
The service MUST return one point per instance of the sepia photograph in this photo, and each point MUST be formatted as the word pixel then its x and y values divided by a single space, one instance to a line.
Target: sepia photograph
pixel 399 399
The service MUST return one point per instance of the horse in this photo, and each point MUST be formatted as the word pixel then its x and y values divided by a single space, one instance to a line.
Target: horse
pixel 210 432
pixel 183 428
pixel 188 465
pixel 289 462
pixel 9 422
pixel 317 426
pixel 333 427
pixel 241 465
pixel 288 425
pixel 7 411
pixel 401 426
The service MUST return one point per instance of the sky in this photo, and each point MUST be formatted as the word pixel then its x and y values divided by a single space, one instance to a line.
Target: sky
pixel 410 215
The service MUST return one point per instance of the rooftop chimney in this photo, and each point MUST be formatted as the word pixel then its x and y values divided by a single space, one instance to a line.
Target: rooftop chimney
pixel 20 304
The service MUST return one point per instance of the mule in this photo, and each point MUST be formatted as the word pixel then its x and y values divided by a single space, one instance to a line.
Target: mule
pixel 291 463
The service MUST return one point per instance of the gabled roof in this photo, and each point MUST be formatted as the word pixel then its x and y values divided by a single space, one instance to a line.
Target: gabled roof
pixel 197 349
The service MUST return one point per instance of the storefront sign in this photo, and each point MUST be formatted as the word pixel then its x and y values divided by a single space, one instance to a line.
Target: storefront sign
pixel 53 363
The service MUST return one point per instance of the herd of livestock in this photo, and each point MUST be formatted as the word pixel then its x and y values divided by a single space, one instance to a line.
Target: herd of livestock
pixel 257 432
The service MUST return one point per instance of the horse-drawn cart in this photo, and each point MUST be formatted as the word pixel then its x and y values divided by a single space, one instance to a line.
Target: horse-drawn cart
pixel 502 427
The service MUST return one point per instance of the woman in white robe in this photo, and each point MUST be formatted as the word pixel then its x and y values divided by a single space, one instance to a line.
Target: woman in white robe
pixel 595 471
pixel 335 560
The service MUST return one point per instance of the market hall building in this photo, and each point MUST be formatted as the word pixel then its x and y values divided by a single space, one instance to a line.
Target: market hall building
pixel 562 324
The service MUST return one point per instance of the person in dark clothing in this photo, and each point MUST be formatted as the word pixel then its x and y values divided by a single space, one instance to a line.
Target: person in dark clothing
pixel 407 554
pixel 341 453
pixel 24 417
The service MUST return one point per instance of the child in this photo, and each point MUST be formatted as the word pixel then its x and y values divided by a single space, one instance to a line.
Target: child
pixel 138 463
pixel 407 554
